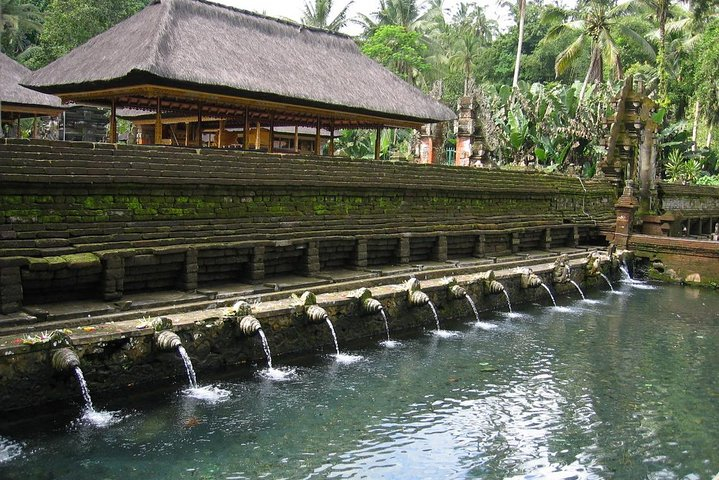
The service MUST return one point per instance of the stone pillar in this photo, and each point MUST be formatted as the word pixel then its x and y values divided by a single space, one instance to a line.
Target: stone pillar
pixel 113 277
pixel 547 243
pixel 311 261
pixel 625 207
pixel 515 242
pixel 647 168
pixel 189 274
pixel 257 263
pixel 439 252
pixel 403 249
pixel 10 286
pixel 480 246
pixel 359 258
pixel 465 130
pixel 575 237
pixel 426 152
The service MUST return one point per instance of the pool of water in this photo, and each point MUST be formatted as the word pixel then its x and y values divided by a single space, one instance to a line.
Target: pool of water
pixel 623 385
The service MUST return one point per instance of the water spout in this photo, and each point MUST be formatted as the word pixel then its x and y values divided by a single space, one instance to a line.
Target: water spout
pixel 368 304
pixel 415 296
pixel 578 289
pixel 168 341
pixel 316 314
pixel 474 307
pixel 266 348
pixel 386 323
pixel 436 316
pixel 506 295
pixel 334 335
pixel 549 292
pixel 606 279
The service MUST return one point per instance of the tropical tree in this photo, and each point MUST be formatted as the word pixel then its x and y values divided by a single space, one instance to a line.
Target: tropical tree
pixel 473 32
pixel 521 11
pixel 18 21
pixel 594 30
pixel 398 49
pixel 318 15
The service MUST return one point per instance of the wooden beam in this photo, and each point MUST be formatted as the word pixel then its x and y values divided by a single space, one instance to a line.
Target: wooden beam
pixel 297 139
pixel 158 123
pixel 113 122
pixel 332 138
pixel 377 143
pixel 317 136
pixel 245 133
pixel 199 125
pixel 152 91
pixel 219 133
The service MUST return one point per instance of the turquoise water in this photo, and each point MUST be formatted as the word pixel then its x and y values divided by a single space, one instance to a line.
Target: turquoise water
pixel 619 386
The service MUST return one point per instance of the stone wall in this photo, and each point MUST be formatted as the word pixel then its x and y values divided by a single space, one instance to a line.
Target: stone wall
pixel 82 220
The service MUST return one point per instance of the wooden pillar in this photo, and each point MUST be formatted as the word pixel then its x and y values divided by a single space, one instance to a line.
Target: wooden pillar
pixel 297 139
pixel 187 134
pixel 199 125
pixel 332 138
pixel 17 131
pixel 33 133
pixel 271 146
pixel 113 122
pixel 377 143
pixel 317 136
pixel 258 129
pixel 219 133
pixel 158 124
pixel 245 133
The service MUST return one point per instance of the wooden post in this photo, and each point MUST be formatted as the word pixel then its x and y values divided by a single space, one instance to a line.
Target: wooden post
pixel 271 147
pixel 258 128
pixel 332 138
pixel 33 134
pixel 187 134
pixel 113 122
pixel 199 125
pixel 377 143
pixel 158 124
pixel 246 132
pixel 297 139
pixel 17 131
pixel 317 136
pixel 219 133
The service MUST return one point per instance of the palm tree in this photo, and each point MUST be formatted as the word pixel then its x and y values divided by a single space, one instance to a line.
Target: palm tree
pixel 403 13
pixel 17 22
pixel 318 15
pixel 594 31
pixel 474 32
pixel 522 9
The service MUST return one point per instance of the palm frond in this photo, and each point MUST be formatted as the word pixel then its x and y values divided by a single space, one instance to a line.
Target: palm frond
pixel 569 55
pixel 646 47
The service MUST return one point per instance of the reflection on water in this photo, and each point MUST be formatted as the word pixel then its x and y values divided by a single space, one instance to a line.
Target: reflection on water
pixel 621 386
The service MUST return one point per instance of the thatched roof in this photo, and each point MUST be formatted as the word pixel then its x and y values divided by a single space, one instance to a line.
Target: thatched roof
pixel 202 46
pixel 12 93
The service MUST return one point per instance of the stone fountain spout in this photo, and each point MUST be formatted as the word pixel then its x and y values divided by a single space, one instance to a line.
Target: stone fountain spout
pixel 562 271
pixel 368 304
pixel 595 263
pixel 415 295
pixel 249 325
pixel 307 304
pixel 238 311
pixel 530 279
pixel 167 340
pixel 65 360
pixel 489 283
pixel 455 290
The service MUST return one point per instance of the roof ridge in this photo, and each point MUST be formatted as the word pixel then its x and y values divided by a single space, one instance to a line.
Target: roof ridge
pixel 283 21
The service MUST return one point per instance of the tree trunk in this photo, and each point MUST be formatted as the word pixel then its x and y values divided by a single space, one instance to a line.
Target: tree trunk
pixel 520 40
pixel 709 135
pixel 695 126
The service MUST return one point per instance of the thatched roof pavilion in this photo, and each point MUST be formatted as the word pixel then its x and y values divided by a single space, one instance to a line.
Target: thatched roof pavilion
pixel 200 59
pixel 17 101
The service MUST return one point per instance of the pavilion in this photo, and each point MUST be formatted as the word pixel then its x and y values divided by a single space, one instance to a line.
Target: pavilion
pixel 199 61
pixel 16 101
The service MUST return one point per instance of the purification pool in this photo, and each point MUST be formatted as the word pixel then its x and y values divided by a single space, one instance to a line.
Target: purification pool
pixel 621 385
